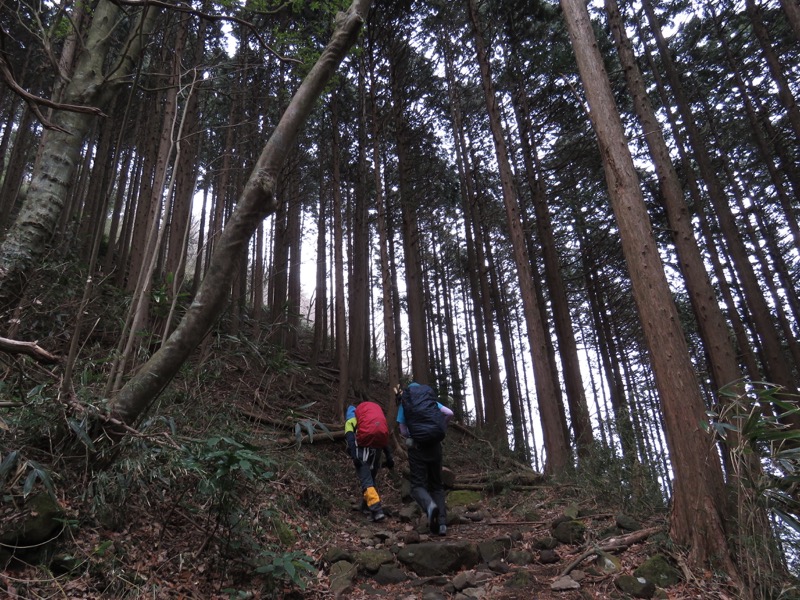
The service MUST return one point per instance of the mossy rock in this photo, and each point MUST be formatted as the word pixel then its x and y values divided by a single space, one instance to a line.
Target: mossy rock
pixel 520 580
pixel 570 532
pixel 372 560
pixel 463 498
pixel 40 518
pixel 659 570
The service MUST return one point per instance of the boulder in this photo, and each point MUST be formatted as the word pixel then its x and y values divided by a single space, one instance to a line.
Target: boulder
pixel 463 498
pixel 371 560
pixel 431 558
pixel 569 532
pixel 563 584
pixel 638 587
pixel 335 554
pixel 659 570
pixel 390 574
pixel 519 557
pixel 39 519
pixel 627 523
pixel 342 575
pixel 496 548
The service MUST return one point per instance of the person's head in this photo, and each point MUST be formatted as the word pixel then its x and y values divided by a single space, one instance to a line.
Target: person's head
pixel 351 412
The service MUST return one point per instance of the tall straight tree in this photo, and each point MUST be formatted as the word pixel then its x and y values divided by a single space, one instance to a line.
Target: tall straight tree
pixel 710 320
pixel 556 444
pixel 358 289
pixel 776 367
pixel 698 493
pixel 389 331
pixel 400 79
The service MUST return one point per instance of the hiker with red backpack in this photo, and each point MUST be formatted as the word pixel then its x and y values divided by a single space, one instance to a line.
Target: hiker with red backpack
pixel 367 435
pixel 423 422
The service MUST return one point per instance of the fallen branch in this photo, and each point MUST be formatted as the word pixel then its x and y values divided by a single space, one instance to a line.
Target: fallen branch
pixel 32 349
pixel 615 543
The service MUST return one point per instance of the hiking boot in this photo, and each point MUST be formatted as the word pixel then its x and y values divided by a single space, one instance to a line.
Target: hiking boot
pixel 378 516
pixel 433 518
pixel 442 529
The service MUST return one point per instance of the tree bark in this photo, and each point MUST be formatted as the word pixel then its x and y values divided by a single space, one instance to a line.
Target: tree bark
pixel 556 445
pixel 698 498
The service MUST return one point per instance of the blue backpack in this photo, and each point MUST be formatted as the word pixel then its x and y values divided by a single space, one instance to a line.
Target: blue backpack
pixel 424 420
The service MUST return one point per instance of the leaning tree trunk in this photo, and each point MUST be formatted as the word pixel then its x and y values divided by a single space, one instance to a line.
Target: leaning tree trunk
pixel 27 241
pixel 698 498
pixel 257 201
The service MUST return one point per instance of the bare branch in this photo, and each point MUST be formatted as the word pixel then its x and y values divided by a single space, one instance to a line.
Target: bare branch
pixel 35 101
pixel 30 348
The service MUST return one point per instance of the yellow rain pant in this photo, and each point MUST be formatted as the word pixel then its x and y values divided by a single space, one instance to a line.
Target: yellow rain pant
pixel 371 496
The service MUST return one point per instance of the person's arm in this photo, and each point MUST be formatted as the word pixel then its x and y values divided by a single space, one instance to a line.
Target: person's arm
pixel 350 436
pixel 448 414
pixel 401 421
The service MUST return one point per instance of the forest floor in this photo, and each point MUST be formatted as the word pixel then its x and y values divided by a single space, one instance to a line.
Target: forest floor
pixel 150 526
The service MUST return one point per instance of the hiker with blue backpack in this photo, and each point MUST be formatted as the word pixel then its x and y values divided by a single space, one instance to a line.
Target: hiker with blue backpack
pixel 423 423
pixel 367 435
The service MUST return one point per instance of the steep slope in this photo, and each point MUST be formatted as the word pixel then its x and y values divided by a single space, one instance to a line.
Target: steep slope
pixel 215 498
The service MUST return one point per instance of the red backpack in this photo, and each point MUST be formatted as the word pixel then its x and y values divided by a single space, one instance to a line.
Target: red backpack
pixel 372 430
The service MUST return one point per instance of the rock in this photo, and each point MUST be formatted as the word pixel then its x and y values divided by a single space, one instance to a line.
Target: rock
pixel 563 584
pixel 371 560
pixel 476 516
pixel 463 498
pixel 334 554
pixel 577 575
pixel 65 563
pixel 410 537
pixel 520 580
pixel 638 587
pixel 627 523
pixel 460 581
pixel 471 594
pixel 499 566
pixel 433 558
pixel 382 535
pixel 408 513
pixel 372 592
pixel 389 574
pixel 607 563
pixel 41 518
pixel 572 511
pixel 659 570
pixel 492 549
pixel 519 557
pixel 570 532
pixel 448 478
pixel 471 579
pixel 549 557
pixel 342 575
pixel 547 543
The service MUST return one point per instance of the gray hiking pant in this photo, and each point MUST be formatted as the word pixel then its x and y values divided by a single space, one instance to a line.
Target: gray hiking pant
pixel 425 464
